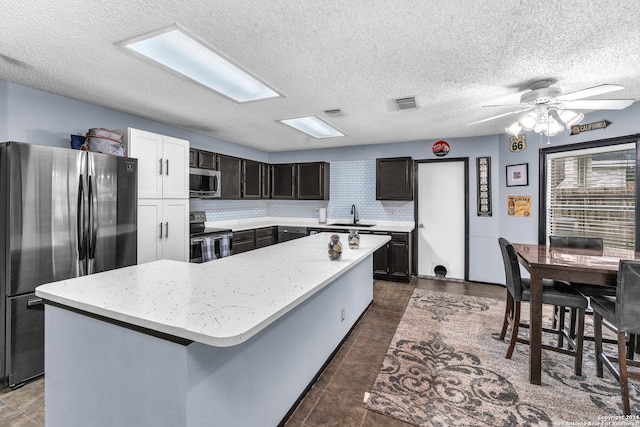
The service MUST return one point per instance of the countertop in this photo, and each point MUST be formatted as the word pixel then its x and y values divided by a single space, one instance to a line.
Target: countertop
pixel 220 303
pixel 249 223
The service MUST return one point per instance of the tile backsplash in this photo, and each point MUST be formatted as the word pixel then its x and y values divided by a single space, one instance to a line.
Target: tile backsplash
pixel 351 183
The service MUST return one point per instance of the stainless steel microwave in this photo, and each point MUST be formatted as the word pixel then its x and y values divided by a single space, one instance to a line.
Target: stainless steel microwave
pixel 204 183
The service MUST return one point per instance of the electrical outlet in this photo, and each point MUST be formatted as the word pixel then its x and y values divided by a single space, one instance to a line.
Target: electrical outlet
pixel 316 210
pixel 342 315
pixel 393 212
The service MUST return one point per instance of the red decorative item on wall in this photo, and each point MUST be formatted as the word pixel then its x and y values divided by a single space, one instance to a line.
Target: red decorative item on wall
pixel 441 148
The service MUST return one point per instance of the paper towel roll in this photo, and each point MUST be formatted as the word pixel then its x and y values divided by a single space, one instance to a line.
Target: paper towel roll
pixel 322 215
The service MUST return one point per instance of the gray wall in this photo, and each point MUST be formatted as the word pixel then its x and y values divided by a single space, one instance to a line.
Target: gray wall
pixel 39 117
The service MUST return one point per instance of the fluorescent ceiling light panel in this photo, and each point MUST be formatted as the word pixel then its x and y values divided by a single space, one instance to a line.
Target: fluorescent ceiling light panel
pixel 313 126
pixel 176 50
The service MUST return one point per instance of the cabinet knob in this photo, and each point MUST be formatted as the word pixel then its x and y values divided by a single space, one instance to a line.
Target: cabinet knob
pixel 420 225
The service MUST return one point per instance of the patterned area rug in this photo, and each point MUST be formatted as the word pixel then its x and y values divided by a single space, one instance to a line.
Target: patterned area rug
pixel 446 367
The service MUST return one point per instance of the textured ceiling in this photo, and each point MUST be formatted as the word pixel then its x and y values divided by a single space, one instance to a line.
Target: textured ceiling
pixel 359 56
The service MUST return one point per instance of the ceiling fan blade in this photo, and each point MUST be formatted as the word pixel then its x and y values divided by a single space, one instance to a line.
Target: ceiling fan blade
pixel 505 105
pixel 598 104
pixel 589 92
pixel 497 117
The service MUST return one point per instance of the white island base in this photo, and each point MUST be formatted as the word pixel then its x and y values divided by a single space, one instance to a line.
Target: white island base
pixel 99 373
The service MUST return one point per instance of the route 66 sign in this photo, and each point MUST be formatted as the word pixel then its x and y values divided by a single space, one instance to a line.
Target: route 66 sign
pixel 517 143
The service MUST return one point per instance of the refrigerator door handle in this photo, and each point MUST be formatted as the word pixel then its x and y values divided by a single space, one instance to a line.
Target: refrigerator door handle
pixel 93 221
pixel 35 303
pixel 80 220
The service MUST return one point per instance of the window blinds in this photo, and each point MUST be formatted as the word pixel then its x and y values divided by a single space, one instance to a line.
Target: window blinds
pixel 591 192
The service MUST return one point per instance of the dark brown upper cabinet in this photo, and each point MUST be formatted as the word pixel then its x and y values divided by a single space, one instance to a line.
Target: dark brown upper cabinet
pixel 394 178
pixel 313 181
pixel 283 181
pixel 266 181
pixel 202 159
pixel 206 160
pixel 251 179
pixel 230 176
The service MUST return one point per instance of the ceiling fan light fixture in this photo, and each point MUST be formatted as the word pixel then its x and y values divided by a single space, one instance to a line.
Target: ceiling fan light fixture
pixel 570 118
pixel 541 128
pixel 514 129
pixel 528 122
pixel 553 128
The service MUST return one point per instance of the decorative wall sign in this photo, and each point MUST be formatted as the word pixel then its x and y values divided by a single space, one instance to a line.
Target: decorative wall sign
pixel 483 168
pixel 441 148
pixel 519 205
pixel 589 126
pixel 517 143
pixel 518 175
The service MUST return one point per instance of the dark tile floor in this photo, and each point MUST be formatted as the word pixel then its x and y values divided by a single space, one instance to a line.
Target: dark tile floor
pixel 337 397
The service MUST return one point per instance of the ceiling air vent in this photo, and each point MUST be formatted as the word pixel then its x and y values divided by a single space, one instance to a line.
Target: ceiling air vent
pixel 406 103
pixel 334 113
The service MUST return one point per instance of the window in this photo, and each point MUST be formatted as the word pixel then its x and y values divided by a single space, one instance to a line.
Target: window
pixel 589 190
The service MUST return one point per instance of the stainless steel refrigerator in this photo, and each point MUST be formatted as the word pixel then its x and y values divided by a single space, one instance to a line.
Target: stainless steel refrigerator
pixel 63 213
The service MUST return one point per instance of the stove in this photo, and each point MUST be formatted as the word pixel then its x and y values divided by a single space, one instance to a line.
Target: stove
pixel 207 243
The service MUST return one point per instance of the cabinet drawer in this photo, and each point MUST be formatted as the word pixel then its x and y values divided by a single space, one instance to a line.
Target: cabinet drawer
pixel 262 232
pixel 241 236
pixel 400 237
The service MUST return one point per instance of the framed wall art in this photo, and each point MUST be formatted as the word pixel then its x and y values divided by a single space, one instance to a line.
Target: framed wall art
pixel 518 175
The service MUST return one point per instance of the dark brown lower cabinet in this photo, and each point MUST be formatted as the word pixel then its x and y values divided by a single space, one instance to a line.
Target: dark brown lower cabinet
pixel 266 236
pixel 243 241
pixel 393 261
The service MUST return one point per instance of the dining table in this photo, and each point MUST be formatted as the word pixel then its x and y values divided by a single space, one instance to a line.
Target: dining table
pixel 592 266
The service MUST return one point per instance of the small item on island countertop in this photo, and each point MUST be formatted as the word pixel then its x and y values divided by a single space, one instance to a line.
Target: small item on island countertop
pixel 335 248
pixel 354 239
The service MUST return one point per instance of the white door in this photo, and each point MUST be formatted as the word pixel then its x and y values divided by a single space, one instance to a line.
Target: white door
pixel 441 218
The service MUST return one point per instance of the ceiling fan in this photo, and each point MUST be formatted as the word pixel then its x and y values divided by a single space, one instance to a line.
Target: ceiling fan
pixel 549 111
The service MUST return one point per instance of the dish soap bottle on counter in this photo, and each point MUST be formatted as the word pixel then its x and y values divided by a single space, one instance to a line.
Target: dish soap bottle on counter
pixel 354 239
pixel 335 248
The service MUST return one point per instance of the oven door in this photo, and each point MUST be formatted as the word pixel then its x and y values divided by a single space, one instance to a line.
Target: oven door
pixel 209 247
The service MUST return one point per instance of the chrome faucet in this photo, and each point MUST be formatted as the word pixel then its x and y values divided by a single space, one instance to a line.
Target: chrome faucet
pixel 354 213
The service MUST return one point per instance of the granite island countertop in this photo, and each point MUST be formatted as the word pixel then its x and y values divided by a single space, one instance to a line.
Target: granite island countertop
pixel 220 303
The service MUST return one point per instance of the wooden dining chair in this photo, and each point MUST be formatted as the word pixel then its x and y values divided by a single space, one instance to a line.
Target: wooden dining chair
pixel 620 314
pixel 518 290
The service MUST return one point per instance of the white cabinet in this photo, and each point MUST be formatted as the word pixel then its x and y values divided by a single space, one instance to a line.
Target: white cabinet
pixel 163 229
pixel 163 164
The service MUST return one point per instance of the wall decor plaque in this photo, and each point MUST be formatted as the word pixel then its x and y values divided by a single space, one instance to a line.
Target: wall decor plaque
pixel 483 168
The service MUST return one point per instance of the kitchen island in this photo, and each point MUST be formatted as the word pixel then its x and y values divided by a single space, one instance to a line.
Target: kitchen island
pixel 230 342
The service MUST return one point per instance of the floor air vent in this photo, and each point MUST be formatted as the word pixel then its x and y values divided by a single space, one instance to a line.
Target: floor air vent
pixel 406 103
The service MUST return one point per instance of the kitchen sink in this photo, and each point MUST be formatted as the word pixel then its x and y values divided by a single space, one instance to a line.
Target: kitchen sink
pixel 350 224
